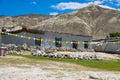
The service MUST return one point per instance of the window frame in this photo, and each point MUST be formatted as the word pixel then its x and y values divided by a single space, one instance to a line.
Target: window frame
pixel 38 42
pixel 58 43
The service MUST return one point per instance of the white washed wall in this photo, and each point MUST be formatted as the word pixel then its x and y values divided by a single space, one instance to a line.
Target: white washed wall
pixel 66 37
pixel 47 36
pixel 110 47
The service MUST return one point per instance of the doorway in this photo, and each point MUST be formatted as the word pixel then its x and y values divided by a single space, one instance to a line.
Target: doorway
pixel 86 44
pixel 58 42
pixel 74 45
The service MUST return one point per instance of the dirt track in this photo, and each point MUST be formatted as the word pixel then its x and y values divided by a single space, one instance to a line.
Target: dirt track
pixel 49 70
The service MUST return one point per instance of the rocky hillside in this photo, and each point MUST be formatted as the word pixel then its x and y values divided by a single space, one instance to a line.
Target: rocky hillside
pixel 92 21
pixel 28 20
pixel 102 21
pixel 64 24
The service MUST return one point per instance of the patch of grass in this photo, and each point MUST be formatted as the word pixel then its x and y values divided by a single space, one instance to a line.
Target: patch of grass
pixel 111 65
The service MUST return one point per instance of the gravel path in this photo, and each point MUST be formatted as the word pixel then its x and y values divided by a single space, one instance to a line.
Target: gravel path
pixel 47 73
pixel 54 71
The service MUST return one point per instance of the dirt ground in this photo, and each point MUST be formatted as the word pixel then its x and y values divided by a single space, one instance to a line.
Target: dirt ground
pixel 19 68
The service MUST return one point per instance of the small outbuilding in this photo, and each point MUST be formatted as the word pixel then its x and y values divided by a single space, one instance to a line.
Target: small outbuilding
pixel 47 39
pixel 107 45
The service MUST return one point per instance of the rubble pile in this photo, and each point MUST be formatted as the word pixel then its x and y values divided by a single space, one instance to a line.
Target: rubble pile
pixel 67 55
pixel 51 49
pixel 19 49
pixel 82 54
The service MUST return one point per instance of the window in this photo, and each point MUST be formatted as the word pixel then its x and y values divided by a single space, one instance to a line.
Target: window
pixel 38 41
pixel 75 45
pixel 3 29
pixel 86 44
pixel 58 42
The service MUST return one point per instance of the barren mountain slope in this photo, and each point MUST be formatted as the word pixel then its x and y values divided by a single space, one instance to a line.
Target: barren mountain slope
pixel 27 20
pixel 92 21
pixel 102 21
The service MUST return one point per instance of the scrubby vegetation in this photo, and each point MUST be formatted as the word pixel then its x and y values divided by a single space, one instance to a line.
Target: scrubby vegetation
pixel 110 65
pixel 114 34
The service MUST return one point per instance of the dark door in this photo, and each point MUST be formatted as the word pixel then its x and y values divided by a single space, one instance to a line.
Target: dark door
pixel 38 41
pixel 86 44
pixel 75 45
pixel 58 42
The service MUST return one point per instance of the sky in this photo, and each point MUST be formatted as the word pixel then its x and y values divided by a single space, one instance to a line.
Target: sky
pixel 50 7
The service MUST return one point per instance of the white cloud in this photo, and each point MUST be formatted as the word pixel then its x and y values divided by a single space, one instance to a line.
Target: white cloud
pixel 118 2
pixel 33 3
pixel 108 7
pixel 113 2
pixel 103 6
pixel 97 2
pixel 54 13
pixel 77 5
pixel 74 5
